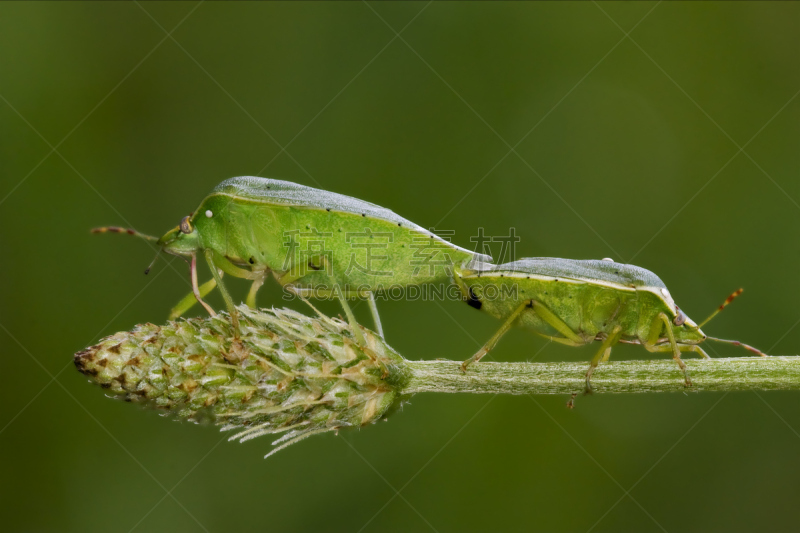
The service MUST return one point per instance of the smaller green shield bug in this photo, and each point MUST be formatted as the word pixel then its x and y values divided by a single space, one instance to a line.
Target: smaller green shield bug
pixel 316 243
pixel 576 302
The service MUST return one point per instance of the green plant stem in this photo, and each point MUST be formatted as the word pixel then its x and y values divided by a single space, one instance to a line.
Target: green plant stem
pixel 657 375
pixel 298 376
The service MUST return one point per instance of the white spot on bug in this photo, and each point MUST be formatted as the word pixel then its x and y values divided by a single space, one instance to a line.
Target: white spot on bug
pixel 608 259
pixel 209 214
pixel 665 292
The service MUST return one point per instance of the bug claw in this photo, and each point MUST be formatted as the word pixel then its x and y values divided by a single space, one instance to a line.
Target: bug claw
pixel 571 401
pixel 588 388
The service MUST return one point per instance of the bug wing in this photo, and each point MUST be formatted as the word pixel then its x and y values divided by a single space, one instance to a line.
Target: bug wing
pixel 592 270
pixel 292 194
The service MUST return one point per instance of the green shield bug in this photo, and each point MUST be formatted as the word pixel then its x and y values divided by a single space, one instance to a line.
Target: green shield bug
pixel 316 243
pixel 577 302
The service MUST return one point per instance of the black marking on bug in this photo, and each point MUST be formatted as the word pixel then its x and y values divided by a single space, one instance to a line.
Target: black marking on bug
pixel 473 300
pixel 363 214
pixel 252 261
pixel 328 209
pixel 312 266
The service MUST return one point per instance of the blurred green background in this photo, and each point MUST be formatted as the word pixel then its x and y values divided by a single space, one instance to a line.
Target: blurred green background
pixel 675 149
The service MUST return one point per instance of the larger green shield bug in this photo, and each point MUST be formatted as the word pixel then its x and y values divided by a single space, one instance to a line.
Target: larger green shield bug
pixel 576 302
pixel 316 243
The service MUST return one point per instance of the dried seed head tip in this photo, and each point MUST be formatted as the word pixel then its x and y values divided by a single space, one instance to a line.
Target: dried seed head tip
pixel 287 374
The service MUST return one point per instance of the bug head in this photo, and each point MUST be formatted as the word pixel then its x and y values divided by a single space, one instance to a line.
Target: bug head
pixel 685 329
pixel 182 240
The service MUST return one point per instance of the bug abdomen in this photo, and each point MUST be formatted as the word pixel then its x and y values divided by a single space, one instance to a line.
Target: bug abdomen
pixel 605 308
pixel 369 253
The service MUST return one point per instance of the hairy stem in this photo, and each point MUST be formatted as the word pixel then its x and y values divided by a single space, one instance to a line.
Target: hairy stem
pixel 296 376
pixel 730 374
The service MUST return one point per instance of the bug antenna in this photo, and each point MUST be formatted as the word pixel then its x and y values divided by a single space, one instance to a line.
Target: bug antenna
pixel 737 343
pixel 727 301
pixel 129 231
pixel 147 270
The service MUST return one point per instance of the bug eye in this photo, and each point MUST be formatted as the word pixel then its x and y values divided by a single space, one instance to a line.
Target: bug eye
pixel 680 318
pixel 186 226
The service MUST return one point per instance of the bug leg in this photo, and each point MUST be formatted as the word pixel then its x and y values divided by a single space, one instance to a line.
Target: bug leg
pixel 559 325
pixel 226 266
pixel 676 352
pixel 360 340
pixel 190 299
pixel 351 318
pixel 496 337
pixel 682 348
pixel 374 310
pixel 571 401
pixel 289 277
pixel 655 333
pixel 570 337
pixel 609 341
pixel 319 313
pixel 225 294
pixel 196 289
pixel 694 348
pixel 251 295
pixel 606 355
pixel 562 340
